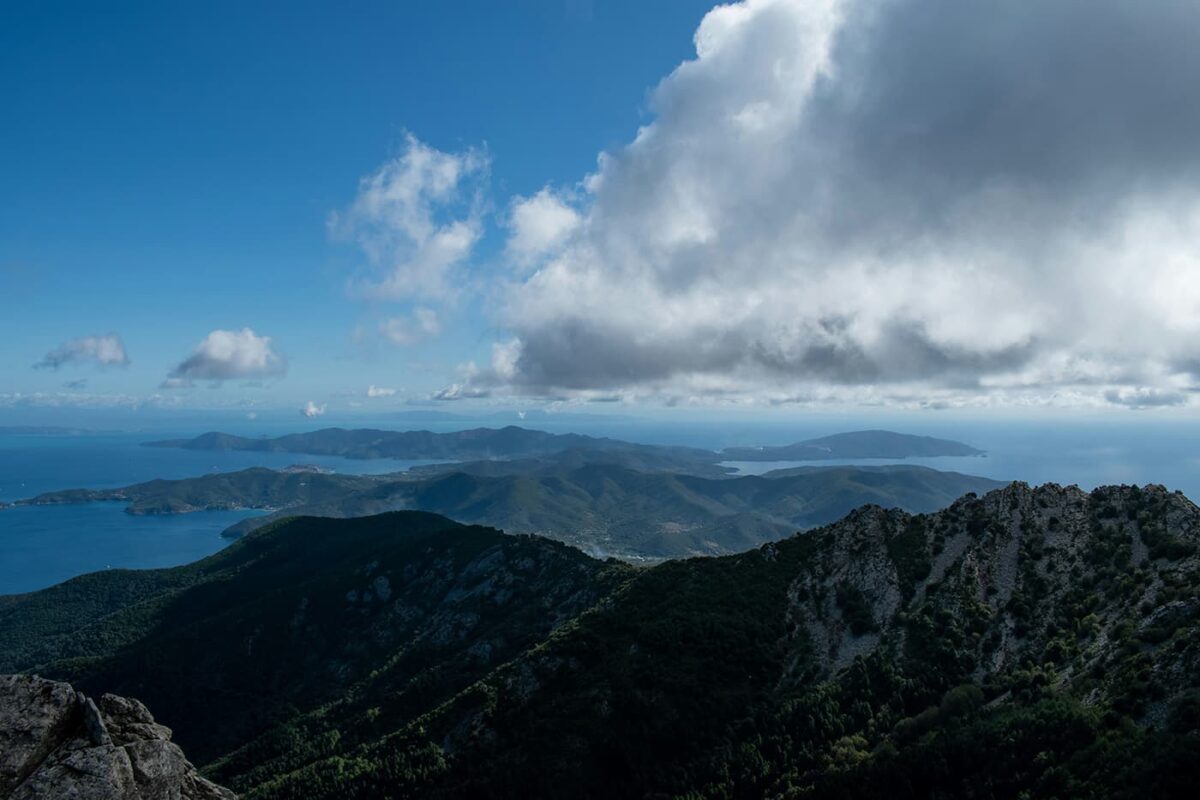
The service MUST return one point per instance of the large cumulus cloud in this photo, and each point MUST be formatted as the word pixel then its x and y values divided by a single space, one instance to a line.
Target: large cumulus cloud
pixel 906 198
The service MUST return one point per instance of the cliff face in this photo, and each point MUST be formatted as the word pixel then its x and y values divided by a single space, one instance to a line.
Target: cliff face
pixel 58 743
pixel 1048 575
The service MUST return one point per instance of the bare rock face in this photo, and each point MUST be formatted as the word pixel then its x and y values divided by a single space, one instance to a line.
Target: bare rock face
pixel 57 743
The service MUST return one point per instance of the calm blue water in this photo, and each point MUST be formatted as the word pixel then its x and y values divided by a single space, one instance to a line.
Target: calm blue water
pixel 44 545
pixel 30 465
pixel 1086 455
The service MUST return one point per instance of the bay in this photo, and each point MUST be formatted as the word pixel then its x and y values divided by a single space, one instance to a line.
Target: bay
pixel 44 545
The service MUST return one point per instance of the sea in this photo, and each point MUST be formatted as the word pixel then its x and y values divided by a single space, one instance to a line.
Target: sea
pixel 44 545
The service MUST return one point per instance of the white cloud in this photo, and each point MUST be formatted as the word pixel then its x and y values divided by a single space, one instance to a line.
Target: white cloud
pixel 469 387
pixel 1145 398
pixel 538 225
pixel 379 391
pixel 417 219
pixel 900 201
pixel 311 409
pixel 402 331
pixel 105 351
pixel 460 391
pixel 226 355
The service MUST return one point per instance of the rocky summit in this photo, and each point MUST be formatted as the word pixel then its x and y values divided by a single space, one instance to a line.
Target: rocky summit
pixel 56 743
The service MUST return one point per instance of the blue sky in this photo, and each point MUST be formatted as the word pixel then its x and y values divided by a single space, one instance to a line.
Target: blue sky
pixel 168 168
pixel 775 204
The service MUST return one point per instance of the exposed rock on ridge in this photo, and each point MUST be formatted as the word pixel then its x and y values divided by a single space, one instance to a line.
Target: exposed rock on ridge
pixel 1050 574
pixel 58 743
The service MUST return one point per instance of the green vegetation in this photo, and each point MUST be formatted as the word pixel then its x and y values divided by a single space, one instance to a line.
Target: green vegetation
pixel 256 487
pixel 296 613
pixel 909 551
pixel 601 508
pixel 1024 644
pixel 856 609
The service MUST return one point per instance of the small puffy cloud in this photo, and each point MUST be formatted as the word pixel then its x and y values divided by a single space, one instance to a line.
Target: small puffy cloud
pixel 379 391
pixel 539 225
pixel 465 390
pixel 474 383
pixel 228 355
pixel 417 219
pixel 422 324
pixel 105 351
pixel 311 409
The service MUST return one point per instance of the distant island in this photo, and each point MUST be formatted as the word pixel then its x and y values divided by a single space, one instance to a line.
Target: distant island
pixel 859 444
pixel 512 442
pixel 477 443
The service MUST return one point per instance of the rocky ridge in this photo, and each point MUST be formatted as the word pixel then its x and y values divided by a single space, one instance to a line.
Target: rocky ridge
pixel 1046 628
pixel 1033 641
pixel 56 742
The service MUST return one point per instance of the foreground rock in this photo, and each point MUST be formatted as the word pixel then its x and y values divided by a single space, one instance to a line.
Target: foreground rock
pixel 57 743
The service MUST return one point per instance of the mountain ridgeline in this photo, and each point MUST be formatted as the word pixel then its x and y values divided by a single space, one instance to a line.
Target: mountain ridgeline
pixel 859 444
pixel 513 442
pixel 1030 642
pixel 478 443
pixel 602 509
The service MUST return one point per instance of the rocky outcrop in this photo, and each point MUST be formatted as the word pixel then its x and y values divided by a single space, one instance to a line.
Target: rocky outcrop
pixel 1048 575
pixel 58 743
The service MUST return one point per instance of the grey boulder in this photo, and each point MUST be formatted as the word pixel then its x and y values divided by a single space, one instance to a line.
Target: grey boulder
pixel 57 743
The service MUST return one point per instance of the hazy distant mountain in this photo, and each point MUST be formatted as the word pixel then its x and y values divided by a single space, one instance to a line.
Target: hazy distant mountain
pixel 859 444
pixel 606 509
pixel 512 416
pixel 513 442
pixel 506 442
pixel 479 443
pixel 1027 643
pixel 641 458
